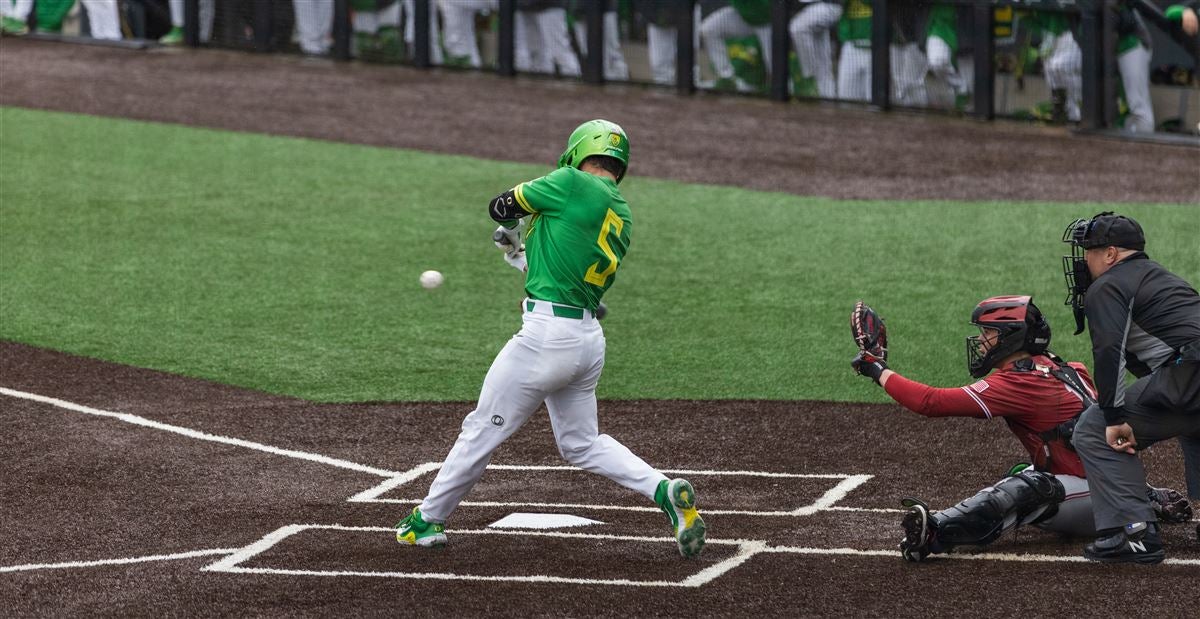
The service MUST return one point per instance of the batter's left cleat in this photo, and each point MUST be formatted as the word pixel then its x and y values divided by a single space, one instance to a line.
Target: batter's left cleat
pixel 677 499
pixel 918 533
pixel 414 531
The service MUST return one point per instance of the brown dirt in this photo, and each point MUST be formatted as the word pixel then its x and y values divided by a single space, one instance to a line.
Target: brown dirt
pixel 811 149
pixel 78 487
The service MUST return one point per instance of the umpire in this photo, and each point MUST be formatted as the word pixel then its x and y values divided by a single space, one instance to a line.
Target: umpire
pixel 1145 319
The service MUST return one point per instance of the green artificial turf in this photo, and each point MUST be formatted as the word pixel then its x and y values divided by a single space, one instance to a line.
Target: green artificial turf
pixel 291 266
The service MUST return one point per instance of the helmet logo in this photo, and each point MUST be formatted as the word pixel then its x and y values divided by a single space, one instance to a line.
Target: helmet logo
pixel 614 139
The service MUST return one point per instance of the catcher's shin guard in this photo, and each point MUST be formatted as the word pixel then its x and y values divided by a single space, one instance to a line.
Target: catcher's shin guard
pixel 1024 498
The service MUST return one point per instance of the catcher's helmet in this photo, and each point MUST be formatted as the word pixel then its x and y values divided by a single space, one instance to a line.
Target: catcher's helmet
pixel 1019 325
pixel 597 137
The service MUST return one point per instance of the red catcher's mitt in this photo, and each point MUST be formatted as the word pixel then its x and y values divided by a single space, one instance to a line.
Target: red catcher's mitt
pixel 870 334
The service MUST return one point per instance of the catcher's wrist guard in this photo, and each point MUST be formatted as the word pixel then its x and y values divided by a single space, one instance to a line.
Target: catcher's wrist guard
pixel 869 365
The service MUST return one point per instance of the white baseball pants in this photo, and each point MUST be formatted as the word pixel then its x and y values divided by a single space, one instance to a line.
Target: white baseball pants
pixel 854 73
pixel 661 47
pixel 614 61
pixel 208 9
pixel 458 27
pixel 941 65
pixel 553 360
pixel 104 21
pixel 811 30
pixel 541 42
pixel 1135 77
pixel 16 9
pixel 723 24
pixel 1063 66
pixel 314 25
pixel 410 29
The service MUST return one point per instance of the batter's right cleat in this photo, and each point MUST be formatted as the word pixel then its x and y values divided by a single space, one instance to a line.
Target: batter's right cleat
pixel 918 531
pixel 677 499
pixel 1135 543
pixel 414 531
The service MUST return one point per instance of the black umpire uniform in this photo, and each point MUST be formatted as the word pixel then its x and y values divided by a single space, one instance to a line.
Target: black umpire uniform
pixel 1146 320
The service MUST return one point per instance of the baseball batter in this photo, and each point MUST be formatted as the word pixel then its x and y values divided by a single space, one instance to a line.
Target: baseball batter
pixel 1037 394
pixel 577 235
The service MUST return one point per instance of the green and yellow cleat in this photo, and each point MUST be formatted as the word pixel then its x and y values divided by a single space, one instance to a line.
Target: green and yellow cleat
pixel 174 37
pixel 414 531
pixel 677 498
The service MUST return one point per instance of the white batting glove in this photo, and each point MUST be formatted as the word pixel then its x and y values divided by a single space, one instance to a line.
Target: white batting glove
pixel 507 239
pixel 516 259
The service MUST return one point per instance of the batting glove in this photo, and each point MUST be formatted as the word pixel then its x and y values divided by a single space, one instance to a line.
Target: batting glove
pixel 516 259
pixel 507 239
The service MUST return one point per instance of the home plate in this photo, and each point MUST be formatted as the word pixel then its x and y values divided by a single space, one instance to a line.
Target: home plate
pixel 541 521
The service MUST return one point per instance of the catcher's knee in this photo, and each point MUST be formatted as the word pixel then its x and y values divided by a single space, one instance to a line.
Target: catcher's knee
pixel 1024 498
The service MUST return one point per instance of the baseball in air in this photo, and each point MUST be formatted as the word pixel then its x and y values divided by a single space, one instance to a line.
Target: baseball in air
pixel 432 279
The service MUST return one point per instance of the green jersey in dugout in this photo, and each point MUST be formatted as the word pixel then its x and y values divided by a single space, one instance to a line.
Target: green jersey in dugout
pixel 576 237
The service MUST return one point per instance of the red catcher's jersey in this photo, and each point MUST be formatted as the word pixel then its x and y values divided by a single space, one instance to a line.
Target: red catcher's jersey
pixel 1031 402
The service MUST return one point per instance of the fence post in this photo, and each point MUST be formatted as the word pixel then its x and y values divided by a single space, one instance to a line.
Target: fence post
pixel 985 60
pixel 593 61
pixel 1091 43
pixel 341 30
pixel 506 39
pixel 191 23
pixel 881 54
pixel 685 47
pixel 780 42
pixel 264 12
pixel 421 33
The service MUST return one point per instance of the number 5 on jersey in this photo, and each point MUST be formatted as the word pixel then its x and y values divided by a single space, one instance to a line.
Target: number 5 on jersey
pixel 612 224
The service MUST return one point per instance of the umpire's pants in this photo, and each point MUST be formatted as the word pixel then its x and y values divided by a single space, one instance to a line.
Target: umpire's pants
pixel 1117 479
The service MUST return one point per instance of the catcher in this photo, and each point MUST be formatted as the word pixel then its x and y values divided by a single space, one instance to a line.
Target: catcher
pixel 1039 396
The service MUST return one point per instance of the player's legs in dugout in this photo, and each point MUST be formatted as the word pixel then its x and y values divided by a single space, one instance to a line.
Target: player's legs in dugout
pixel 539 360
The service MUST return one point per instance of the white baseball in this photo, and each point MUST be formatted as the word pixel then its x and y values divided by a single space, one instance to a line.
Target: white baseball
pixel 432 279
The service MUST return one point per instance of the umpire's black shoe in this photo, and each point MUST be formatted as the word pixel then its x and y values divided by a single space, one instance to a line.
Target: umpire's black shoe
pixel 1136 543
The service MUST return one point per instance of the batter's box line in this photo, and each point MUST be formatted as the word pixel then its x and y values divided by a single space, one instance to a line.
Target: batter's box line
pixel 232 563
pixel 825 502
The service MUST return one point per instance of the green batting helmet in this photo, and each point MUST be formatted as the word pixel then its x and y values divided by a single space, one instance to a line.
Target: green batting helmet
pixel 596 137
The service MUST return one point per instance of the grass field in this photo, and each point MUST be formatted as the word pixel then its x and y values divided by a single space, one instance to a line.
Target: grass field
pixel 291 266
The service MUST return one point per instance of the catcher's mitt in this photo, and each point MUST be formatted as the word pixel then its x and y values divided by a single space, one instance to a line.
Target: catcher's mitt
pixel 1170 507
pixel 870 334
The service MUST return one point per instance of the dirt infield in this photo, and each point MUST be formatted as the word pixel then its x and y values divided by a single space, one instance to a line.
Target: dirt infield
pixel 276 508
pixel 133 492
pixel 809 149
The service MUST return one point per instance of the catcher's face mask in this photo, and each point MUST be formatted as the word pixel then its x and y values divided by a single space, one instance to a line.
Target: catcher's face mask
pixel 1075 268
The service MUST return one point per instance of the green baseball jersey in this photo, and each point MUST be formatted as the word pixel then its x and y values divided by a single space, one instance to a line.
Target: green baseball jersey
pixel 754 12
pixel 855 24
pixel 943 24
pixel 576 238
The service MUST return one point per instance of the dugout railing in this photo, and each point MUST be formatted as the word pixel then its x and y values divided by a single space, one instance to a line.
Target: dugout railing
pixel 1095 21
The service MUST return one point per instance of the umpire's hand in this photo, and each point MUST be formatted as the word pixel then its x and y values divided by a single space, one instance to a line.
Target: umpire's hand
pixel 1120 438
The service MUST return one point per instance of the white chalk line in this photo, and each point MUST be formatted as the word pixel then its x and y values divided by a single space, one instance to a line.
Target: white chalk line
pixel 637 508
pixel 746 550
pixel 196 434
pixel 231 563
pixel 824 503
pixel 126 561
